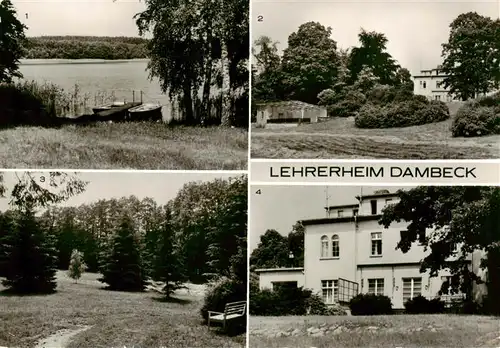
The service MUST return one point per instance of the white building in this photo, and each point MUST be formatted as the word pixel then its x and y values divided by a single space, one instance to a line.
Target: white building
pixel 430 84
pixel 350 253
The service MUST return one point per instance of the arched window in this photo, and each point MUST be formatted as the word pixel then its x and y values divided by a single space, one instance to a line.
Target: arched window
pixel 324 246
pixel 335 246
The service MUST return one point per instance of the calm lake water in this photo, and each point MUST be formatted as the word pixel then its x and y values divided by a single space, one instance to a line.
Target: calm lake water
pixel 97 77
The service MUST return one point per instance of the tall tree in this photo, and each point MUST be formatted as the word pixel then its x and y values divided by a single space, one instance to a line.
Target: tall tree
pixel 168 261
pixel 122 268
pixel 296 245
pixel 193 43
pixel 12 40
pixel 268 80
pixel 310 62
pixel 271 252
pixel 472 55
pixel 30 256
pixel 371 54
pixel 228 226
pixel 462 219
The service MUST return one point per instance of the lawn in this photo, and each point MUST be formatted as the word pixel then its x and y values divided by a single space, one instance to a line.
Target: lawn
pixel 107 318
pixel 124 146
pixel 375 331
pixel 339 138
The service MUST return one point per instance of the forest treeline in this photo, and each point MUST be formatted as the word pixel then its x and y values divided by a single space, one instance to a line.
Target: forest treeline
pixel 85 47
pixel 207 220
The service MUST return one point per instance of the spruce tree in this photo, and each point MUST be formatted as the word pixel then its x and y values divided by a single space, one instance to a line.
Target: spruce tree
pixel 122 267
pixel 76 265
pixel 31 257
pixel 168 261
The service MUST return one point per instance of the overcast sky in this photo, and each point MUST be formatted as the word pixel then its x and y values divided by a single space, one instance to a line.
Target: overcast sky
pixel 415 29
pixel 280 207
pixel 162 187
pixel 79 17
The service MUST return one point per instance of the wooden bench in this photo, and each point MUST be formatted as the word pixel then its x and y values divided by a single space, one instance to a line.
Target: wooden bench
pixel 233 310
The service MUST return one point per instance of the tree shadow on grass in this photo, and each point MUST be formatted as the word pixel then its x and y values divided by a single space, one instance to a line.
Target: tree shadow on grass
pixel 182 301
pixel 13 293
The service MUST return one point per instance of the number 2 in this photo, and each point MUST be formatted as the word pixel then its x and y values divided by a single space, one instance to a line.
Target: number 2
pixel 260 18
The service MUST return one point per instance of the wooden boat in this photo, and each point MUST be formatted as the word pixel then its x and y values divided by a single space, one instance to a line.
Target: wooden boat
pixel 107 106
pixel 146 111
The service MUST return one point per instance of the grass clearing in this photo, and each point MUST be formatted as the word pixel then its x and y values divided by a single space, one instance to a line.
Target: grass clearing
pixel 130 145
pixel 116 319
pixel 375 331
pixel 339 138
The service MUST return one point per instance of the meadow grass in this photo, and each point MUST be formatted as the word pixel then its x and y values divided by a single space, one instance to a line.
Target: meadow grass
pixel 378 331
pixel 339 138
pixel 115 319
pixel 130 145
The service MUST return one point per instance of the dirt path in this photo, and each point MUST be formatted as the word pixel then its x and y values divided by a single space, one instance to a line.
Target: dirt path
pixel 61 338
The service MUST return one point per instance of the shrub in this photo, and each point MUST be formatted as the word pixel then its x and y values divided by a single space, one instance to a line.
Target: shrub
pixel 370 304
pixel 317 306
pixel 264 302
pixel 287 301
pixel 349 105
pixel 415 111
pixel 477 118
pixel 219 293
pixel 420 305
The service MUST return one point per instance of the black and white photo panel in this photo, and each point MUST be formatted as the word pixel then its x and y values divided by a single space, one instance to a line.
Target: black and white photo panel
pixel 125 84
pixel 373 266
pixel 375 79
pixel 108 259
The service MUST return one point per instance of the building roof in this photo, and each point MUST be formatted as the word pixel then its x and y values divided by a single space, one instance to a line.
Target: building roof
pixel 292 104
pixel 325 221
pixel 377 195
pixel 281 269
pixel 342 206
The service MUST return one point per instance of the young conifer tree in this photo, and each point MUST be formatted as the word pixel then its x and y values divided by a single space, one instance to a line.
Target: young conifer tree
pixel 76 265
pixel 168 261
pixel 122 267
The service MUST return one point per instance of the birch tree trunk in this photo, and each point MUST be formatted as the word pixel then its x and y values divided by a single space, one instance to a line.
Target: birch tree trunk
pixel 226 89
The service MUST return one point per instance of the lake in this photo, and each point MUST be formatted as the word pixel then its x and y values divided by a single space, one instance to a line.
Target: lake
pixel 98 77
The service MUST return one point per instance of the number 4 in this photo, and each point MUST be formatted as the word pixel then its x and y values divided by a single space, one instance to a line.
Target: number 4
pixel 258 192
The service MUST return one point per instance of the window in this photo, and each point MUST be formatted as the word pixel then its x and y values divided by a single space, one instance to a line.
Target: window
pixel 281 115
pixel 388 201
pixel 376 286
pixel 437 97
pixel 412 287
pixel 425 85
pixel 324 246
pixel 421 82
pixel 355 212
pixel 374 206
pixel 340 213
pixel 335 246
pixel 329 291
pixel 438 84
pixel 376 243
